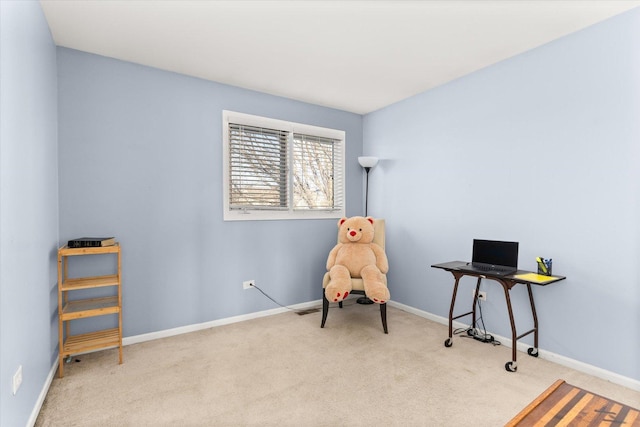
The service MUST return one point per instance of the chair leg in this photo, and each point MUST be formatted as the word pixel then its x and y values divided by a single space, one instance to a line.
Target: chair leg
pixel 383 314
pixel 325 309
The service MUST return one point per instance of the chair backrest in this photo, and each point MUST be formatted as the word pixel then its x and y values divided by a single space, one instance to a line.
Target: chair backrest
pixel 378 233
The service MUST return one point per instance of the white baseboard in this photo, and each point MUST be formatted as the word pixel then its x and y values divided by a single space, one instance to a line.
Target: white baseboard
pixel 43 394
pixel 543 354
pixel 206 325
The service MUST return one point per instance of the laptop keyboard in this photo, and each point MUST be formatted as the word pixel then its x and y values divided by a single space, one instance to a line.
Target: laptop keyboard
pixel 495 269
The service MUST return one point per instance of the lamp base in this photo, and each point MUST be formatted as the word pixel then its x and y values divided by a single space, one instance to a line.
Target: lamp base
pixel 364 300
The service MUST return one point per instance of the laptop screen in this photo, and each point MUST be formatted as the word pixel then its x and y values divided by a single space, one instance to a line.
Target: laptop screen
pixel 495 252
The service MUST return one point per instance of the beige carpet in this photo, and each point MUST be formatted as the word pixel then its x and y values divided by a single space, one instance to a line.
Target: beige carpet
pixel 284 370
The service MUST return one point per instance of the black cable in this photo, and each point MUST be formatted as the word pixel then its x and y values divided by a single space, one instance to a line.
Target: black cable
pixel 459 331
pixel 485 337
pixel 472 332
pixel 305 311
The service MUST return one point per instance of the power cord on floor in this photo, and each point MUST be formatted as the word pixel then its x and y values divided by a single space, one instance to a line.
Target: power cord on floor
pixel 476 333
pixel 299 312
pixel 484 337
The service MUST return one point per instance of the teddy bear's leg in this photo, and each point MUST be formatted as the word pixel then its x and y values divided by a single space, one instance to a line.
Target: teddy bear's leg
pixel 340 284
pixel 374 286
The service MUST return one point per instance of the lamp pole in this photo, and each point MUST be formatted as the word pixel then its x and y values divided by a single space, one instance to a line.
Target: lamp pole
pixel 367 163
pixel 366 191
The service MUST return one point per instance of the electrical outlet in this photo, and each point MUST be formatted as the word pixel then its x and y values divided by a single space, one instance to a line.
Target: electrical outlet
pixel 17 380
pixel 482 295
pixel 248 284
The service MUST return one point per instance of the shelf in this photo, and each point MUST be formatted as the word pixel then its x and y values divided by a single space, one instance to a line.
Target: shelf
pixel 75 307
pixel 91 341
pixel 67 251
pixel 90 308
pixel 90 282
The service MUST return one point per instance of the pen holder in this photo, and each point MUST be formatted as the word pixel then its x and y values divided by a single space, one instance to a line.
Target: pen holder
pixel 544 266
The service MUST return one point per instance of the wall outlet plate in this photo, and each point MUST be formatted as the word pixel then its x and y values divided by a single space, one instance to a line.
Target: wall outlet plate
pixel 248 284
pixel 482 295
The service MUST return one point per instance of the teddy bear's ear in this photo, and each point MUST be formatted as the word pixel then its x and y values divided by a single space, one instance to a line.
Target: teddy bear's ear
pixel 342 220
pixel 370 219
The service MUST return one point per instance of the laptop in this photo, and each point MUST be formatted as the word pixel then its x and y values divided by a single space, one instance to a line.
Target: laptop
pixel 493 257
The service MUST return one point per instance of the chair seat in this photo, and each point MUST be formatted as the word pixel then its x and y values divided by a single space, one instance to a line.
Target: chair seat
pixel 356 283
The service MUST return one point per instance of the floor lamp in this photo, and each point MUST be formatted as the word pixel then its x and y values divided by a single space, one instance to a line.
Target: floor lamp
pixel 367 163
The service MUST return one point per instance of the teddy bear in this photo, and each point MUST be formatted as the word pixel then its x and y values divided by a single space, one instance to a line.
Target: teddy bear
pixel 356 256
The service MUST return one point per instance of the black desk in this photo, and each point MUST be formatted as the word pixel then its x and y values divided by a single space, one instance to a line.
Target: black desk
pixel 507 283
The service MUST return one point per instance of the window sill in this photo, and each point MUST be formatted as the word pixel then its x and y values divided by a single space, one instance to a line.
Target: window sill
pixel 275 215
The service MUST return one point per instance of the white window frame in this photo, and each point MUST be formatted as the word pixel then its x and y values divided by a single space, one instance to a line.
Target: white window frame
pixel 290 127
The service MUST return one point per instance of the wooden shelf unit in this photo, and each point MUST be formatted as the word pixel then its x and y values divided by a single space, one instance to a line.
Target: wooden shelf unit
pixel 89 307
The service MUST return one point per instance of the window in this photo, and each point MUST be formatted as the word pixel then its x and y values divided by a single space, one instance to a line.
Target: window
pixel 275 169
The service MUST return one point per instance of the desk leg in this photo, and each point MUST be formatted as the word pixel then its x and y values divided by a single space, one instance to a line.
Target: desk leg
pixel 475 304
pixel 449 341
pixel 511 366
pixel 533 351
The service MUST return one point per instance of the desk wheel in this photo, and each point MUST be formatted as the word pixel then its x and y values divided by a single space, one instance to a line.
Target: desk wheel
pixel 511 366
pixel 448 342
pixel 533 352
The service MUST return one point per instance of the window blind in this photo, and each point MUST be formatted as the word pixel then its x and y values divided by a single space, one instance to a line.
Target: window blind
pixel 317 173
pixel 257 168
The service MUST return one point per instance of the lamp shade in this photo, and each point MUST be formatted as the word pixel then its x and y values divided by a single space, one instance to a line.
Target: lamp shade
pixel 367 162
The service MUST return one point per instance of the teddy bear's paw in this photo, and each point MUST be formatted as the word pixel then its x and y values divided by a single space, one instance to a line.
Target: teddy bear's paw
pixel 379 296
pixel 336 296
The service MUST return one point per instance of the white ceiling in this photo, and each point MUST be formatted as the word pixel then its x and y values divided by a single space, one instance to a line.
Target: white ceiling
pixel 357 56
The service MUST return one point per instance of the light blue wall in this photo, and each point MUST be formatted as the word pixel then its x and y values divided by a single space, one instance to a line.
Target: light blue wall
pixel 28 206
pixel 140 159
pixel 543 149
pixel 555 130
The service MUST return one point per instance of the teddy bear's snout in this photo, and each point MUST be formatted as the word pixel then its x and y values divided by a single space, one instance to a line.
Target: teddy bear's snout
pixel 353 233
